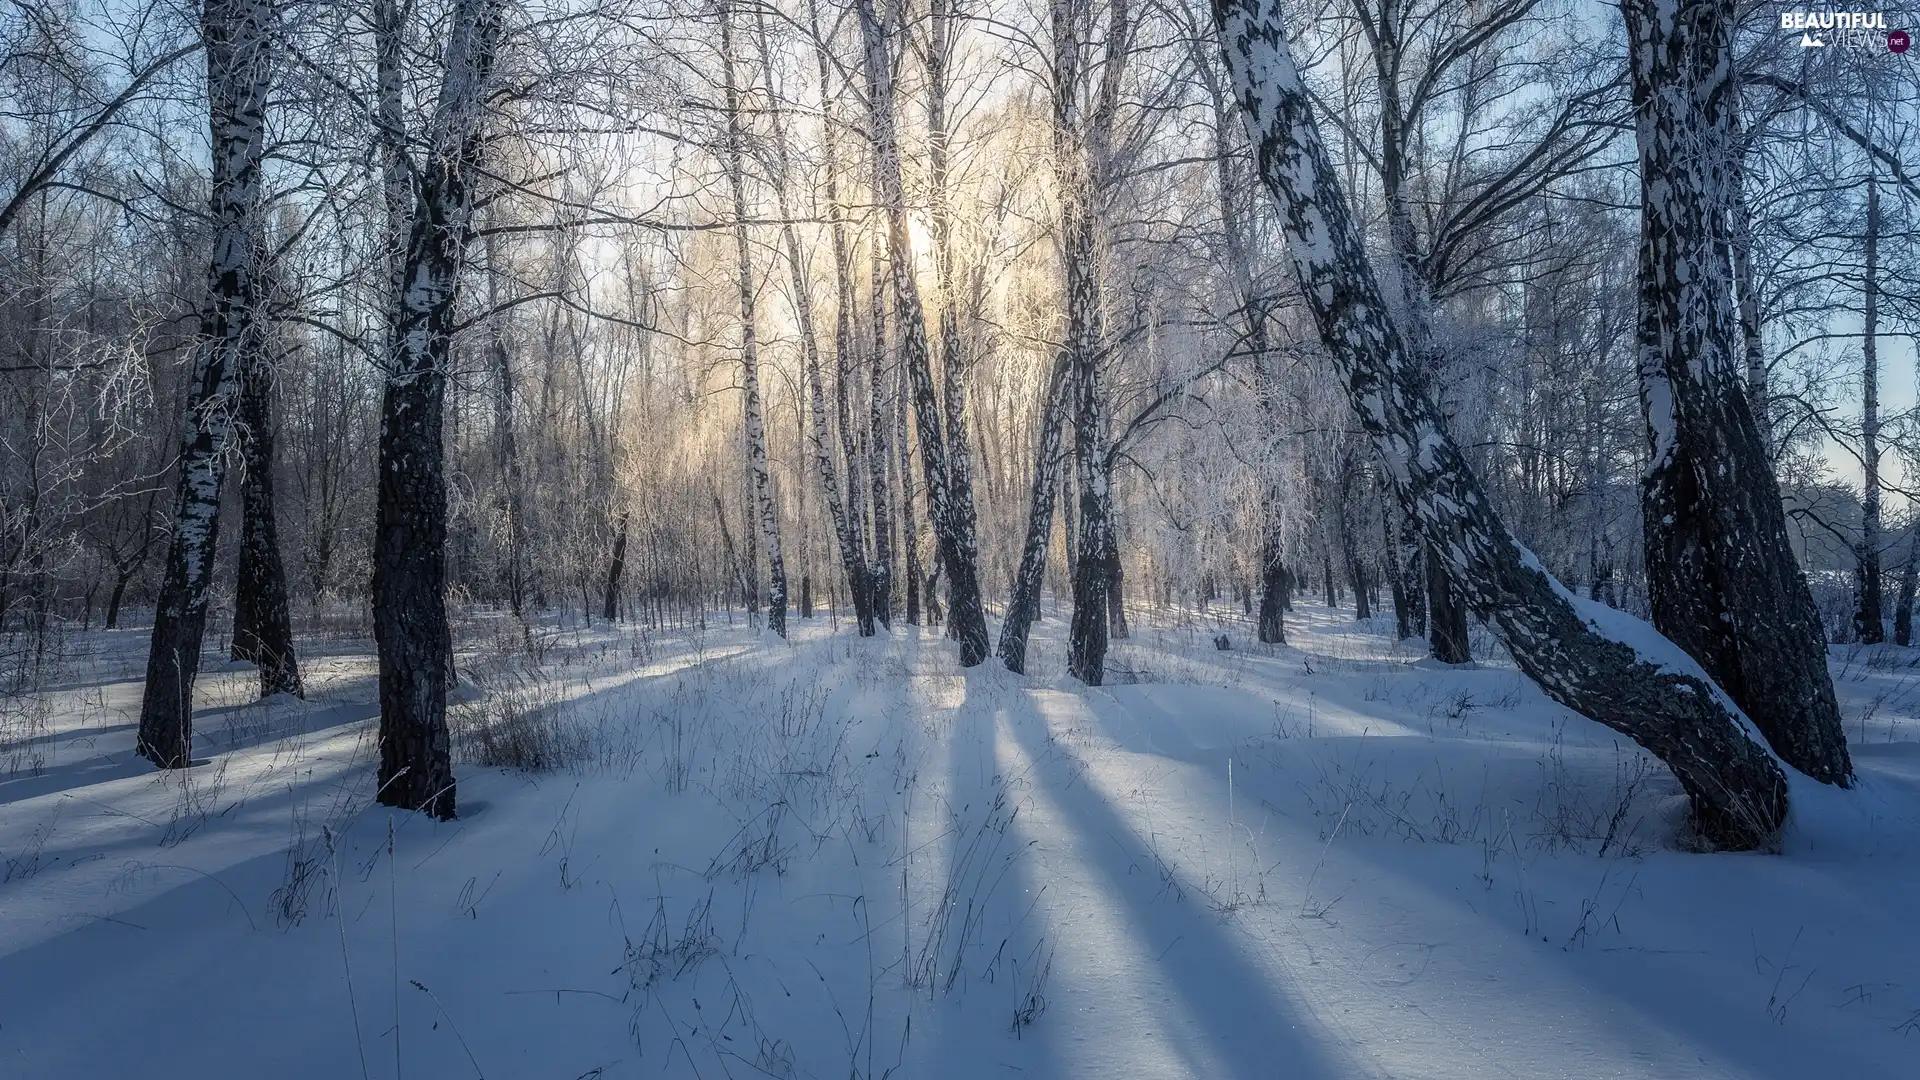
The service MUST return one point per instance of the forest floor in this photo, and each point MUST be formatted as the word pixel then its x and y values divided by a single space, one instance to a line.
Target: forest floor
pixel 843 858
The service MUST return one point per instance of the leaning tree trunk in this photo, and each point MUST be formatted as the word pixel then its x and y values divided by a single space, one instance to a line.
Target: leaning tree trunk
pixel 262 620
pixel 948 507
pixel 1023 606
pixel 1722 579
pixel 409 547
pixel 236 35
pixel 756 427
pixel 1588 657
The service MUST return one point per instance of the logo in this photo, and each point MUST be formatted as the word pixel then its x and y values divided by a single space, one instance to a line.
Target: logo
pixel 1846 29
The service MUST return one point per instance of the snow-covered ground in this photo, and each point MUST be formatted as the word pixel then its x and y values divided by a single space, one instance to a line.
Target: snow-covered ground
pixel 846 858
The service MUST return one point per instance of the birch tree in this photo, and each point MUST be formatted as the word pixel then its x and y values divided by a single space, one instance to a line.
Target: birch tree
pixel 1592 659
pixel 262 607
pixel 949 510
pixel 845 526
pixel 409 552
pixel 752 416
pixel 1721 574
pixel 237 36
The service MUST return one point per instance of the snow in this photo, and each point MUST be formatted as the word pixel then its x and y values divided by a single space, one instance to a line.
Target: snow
pixel 835 856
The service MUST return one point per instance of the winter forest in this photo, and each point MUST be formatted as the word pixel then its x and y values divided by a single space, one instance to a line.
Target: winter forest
pixel 959 539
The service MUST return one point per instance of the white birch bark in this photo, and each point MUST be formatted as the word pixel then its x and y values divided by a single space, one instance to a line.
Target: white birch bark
pixel 236 35
pixel 753 416
pixel 1593 659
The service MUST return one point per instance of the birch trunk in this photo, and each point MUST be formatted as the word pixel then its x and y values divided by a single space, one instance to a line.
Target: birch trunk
pixel 949 508
pixel 845 527
pixel 944 27
pixel 1023 605
pixel 262 619
pixel 1903 603
pixel 235 34
pixel 758 480
pixel 409 550
pixel 1446 616
pixel 1721 574
pixel 909 524
pixel 1868 625
pixel 1740 222
pixel 853 543
pixel 1236 210
pixel 1081 139
pixel 616 566
pixel 880 445
pixel 1590 658
pixel 506 449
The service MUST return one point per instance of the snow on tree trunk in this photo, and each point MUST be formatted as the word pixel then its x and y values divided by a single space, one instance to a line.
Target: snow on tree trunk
pixel 1740 244
pixel 1593 659
pixel 262 620
pixel 409 549
pixel 236 36
pixel 949 508
pixel 1723 582
pixel 755 421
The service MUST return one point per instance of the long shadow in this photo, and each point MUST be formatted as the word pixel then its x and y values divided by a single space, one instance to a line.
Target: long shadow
pixel 277 720
pixel 994 951
pixel 1688 1003
pixel 226 729
pixel 1251 1028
